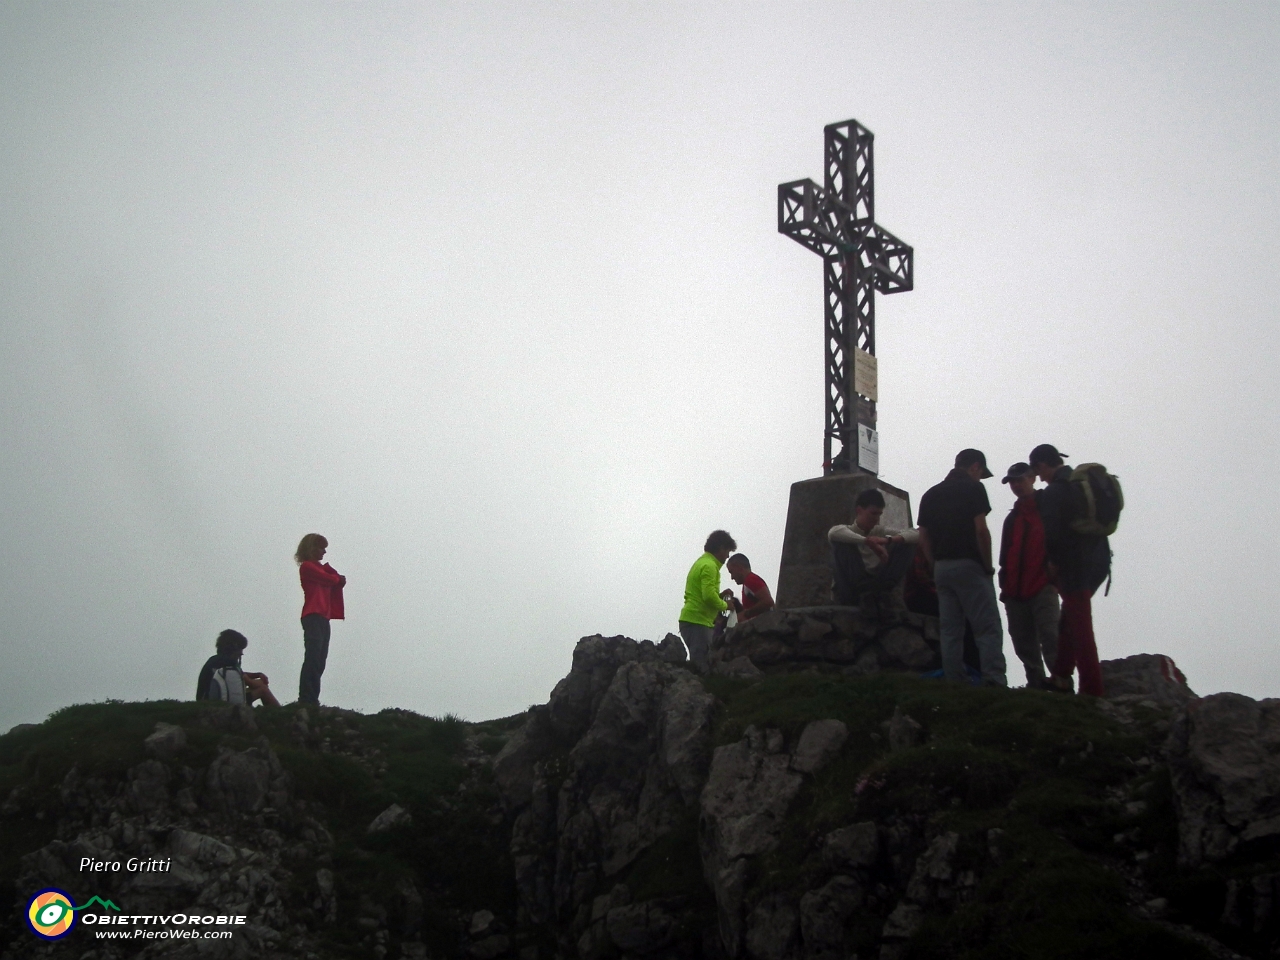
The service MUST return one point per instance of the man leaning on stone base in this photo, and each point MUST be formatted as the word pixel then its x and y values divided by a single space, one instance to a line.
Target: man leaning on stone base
pixel 957 544
pixel 868 559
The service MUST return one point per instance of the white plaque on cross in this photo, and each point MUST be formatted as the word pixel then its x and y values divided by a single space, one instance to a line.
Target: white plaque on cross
pixel 865 371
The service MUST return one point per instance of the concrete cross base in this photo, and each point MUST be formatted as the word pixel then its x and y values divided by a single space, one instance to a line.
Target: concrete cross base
pixel 804 576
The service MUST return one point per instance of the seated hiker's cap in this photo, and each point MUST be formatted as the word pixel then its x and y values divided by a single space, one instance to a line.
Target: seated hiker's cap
pixel 1016 471
pixel 968 457
pixel 1046 453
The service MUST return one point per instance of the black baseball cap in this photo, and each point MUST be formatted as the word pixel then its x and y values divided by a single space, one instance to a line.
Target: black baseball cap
pixel 1046 453
pixel 968 457
pixel 1016 471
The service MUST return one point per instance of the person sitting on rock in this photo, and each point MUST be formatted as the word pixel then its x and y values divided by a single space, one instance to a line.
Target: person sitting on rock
pixel 756 598
pixel 869 559
pixel 222 679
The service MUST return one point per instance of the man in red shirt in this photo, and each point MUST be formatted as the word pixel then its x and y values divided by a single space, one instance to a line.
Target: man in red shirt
pixel 756 598
pixel 1030 599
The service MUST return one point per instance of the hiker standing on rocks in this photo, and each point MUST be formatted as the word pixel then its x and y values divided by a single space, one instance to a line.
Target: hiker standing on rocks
pixel 1078 564
pixel 702 600
pixel 868 558
pixel 1030 599
pixel 957 544
pixel 322 601
pixel 756 598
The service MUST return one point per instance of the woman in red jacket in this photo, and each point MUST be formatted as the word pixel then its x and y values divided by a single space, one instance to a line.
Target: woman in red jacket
pixel 322 601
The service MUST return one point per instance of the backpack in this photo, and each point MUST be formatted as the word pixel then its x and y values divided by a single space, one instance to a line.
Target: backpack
pixel 1096 500
pixel 227 685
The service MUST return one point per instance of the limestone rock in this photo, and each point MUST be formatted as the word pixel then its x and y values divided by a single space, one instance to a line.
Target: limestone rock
pixel 1146 678
pixel 246 781
pixel 904 732
pixel 771 929
pixel 834 637
pixel 823 915
pixel 166 742
pixel 737 667
pixel 934 870
pixel 513 767
pixel 389 819
pixel 857 845
pixel 743 809
pixel 1224 757
pixel 641 927
pixel 637 730
pixel 149 786
pixel 820 743
pixel 200 848
pixel 903 922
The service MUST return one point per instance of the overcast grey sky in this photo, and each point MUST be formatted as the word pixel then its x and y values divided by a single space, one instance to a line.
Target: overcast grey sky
pixel 492 296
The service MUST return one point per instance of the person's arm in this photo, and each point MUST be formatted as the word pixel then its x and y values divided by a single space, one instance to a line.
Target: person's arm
pixel 984 541
pixel 845 533
pixel 314 573
pixel 711 588
pixel 202 682
pixel 926 547
pixel 894 537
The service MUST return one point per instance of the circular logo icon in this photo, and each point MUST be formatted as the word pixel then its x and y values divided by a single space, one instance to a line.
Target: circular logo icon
pixel 51 914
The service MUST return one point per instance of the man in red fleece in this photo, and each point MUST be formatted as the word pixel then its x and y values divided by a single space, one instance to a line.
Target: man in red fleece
pixel 1030 599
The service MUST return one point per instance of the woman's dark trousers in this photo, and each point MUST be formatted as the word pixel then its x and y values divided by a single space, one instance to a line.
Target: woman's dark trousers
pixel 315 639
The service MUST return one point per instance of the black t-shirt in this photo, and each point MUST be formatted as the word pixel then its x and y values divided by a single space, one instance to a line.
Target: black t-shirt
pixel 947 512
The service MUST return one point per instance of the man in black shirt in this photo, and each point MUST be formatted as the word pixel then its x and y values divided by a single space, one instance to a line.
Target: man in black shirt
pixel 957 544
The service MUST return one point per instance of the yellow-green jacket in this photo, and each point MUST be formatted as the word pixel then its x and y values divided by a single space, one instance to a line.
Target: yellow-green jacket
pixel 702 600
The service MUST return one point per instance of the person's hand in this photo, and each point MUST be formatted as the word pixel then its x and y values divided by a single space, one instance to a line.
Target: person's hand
pixel 878 547
pixel 342 581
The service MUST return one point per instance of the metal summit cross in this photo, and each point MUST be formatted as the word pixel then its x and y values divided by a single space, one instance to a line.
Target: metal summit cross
pixel 859 257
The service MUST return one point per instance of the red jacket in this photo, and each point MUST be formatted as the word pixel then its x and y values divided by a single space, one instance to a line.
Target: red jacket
pixel 321 590
pixel 1023 572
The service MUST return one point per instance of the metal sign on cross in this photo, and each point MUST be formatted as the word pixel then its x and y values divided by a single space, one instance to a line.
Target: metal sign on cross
pixel 859 257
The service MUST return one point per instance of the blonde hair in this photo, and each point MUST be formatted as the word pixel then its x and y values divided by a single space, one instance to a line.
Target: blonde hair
pixel 309 547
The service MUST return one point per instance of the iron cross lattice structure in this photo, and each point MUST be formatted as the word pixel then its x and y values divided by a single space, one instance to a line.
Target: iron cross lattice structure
pixel 859 257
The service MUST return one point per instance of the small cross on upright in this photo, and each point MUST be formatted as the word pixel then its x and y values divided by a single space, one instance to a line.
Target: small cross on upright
pixel 837 222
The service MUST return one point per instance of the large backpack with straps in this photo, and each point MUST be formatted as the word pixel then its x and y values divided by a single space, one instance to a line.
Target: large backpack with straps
pixel 227 685
pixel 1096 500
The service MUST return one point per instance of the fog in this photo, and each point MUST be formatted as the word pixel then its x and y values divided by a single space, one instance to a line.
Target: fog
pixel 493 297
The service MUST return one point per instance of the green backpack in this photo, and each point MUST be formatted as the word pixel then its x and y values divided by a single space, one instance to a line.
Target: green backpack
pixel 1097 500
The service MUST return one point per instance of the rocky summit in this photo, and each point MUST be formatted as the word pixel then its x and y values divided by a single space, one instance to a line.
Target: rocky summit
pixel 811 799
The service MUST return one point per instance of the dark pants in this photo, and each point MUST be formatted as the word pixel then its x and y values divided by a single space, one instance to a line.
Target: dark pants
pixel 1077 649
pixel 852 579
pixel 315 638
pixel 697 639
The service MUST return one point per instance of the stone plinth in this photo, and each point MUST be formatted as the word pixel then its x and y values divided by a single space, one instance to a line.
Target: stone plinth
pixel 841 639
pixel 804 576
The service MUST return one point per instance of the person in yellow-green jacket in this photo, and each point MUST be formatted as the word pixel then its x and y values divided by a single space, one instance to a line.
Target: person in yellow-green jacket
pixel 702 600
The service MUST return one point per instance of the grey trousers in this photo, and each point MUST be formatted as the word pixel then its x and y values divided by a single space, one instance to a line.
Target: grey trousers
pixel 697 639
pixel 1033 628
pixel 966 592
